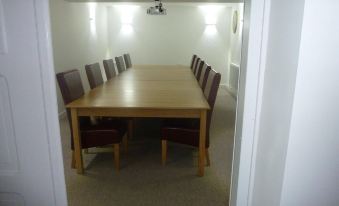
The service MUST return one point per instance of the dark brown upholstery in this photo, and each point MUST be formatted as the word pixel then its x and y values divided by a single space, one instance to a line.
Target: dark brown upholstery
pixel 186 131
pixel 204 75
pixel 120 64
pixel 94 75
pixel 198 70
pixel 197 64
pixel 104 132
pixel 109 68
pixel 193 60
pixel 128 61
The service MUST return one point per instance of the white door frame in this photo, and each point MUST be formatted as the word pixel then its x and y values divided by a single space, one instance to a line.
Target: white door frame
pixel 50 99
pixel 255 36
pixel 248 110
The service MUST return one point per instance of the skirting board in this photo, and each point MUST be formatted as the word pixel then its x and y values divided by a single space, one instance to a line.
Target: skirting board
pixel 62 114
pixel 231 91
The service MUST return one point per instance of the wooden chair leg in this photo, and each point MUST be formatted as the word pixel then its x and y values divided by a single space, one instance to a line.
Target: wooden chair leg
pixel 73 160
pixel 207 158
pixel 125 143
pixel 164 151
pixel 130 128
pixel 117 156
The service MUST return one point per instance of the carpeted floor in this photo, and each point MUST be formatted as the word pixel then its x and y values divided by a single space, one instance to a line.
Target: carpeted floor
pixel 142 179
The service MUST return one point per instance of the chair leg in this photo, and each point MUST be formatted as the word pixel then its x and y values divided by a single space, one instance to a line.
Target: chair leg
pixel 207 158
pixel 164 151
pixel 125 143
pixel 73 160
pixel 116 157
pixel 130 128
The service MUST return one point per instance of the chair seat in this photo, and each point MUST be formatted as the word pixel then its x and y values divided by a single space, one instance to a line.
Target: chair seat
pixel 184 131
pixel 103 133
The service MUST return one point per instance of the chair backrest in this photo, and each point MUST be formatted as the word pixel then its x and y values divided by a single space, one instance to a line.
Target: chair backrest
pixel 193 60
pixel 109 68
pixel 205 70
pixel 71 89
pixel 198 70
pixel 197 63
pixel 210 92
pixel 120 64
pixel 128 61
pixel 94 75
pixel 70 85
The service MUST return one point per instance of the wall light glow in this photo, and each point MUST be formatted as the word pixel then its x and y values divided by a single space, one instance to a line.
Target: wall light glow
pixel 126 14
pixel 211 9
pixel 126 29
pixel 210 13
pixel 210 19
pixel 92 18
pixel 211 30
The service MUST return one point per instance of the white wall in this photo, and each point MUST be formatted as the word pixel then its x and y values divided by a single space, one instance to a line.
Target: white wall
pixel 77 41
pixel 170 39
pixel 312 163
pixel 236 38
pixel 296 156
pixel 235 50
pixel 277 99
pixel 174 38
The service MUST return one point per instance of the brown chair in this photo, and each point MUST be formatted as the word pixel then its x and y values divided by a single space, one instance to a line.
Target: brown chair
pixel 194 57
pixel 109 68
pixel 198 70
pixel 204 75
pixel 120 64
pixel 94 75
pixel 128 61
pixel 100 134
pixel 197 64
pixel 186 131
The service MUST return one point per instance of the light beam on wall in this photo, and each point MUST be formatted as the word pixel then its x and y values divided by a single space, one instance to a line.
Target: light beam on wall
pixel 126 14
pixel 211 30
pixel 92 18
pixel 210 13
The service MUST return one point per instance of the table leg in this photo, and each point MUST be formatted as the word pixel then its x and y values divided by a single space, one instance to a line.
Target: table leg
pixel 202 143
pixel 77 141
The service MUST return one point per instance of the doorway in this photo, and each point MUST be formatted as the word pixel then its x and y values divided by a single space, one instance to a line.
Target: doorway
pixel 90 28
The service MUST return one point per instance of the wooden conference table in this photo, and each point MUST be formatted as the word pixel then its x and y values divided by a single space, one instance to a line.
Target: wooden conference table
pixel 145 91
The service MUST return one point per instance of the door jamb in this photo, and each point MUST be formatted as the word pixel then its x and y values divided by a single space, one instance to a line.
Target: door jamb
pixel 252 71
pixel 48 86
pixel 251 82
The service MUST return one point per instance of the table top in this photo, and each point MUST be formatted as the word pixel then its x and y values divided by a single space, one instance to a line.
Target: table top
pixel 147 87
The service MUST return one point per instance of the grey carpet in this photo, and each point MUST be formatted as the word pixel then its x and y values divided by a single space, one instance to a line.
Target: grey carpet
pixel 142 179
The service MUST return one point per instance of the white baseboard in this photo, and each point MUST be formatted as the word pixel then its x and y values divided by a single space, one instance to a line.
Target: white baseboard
pixel 230 90
pixel 223 86
pixel 62 114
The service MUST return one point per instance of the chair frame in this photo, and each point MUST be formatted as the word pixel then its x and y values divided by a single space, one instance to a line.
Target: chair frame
pixel 128 61
pixel 212 94
pixel 67 98
pixel 192 61
pixel 108 69
pixel 120 63
pixel 91 69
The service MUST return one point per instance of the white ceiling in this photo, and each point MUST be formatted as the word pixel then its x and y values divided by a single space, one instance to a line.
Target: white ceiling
pixel 165 1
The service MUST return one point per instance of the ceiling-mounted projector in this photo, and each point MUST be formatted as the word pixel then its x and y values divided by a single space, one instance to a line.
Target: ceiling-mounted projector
pixel 157 9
